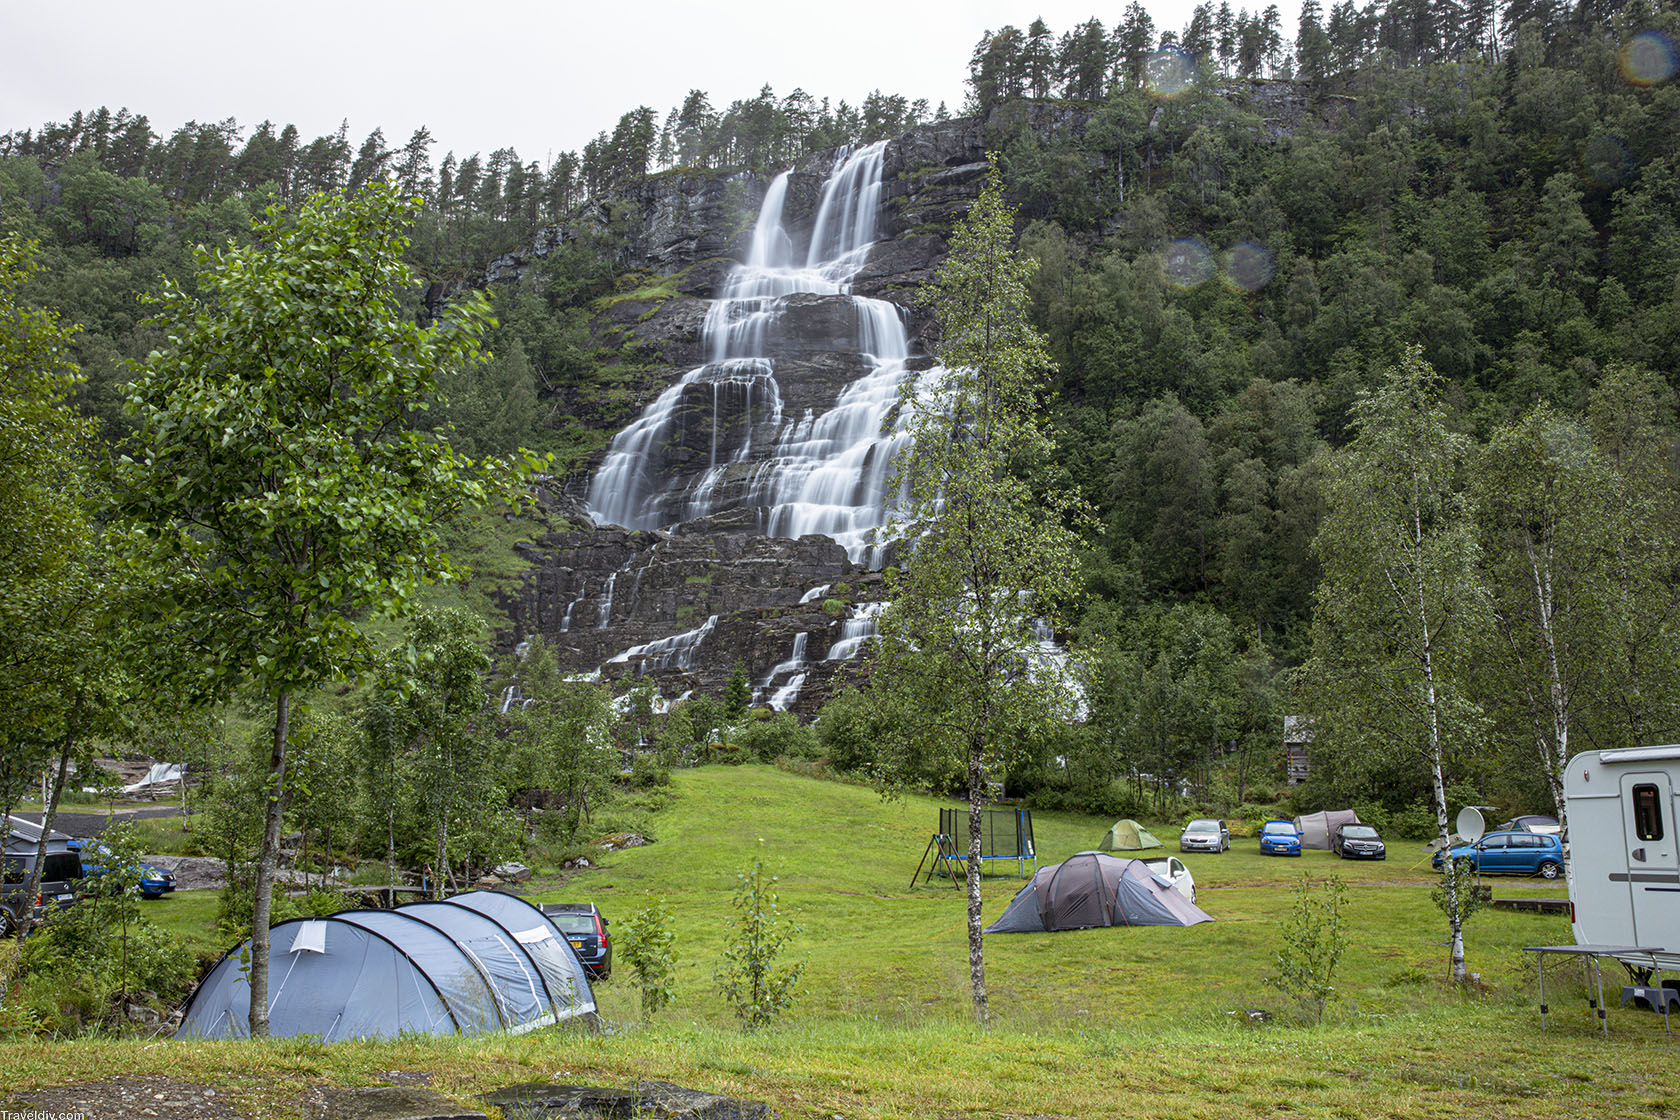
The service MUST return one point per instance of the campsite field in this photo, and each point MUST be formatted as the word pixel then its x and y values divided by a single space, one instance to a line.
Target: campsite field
pixel 1136 1022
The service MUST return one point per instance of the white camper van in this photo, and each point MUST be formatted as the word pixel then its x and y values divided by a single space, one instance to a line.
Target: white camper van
pixel 1624 873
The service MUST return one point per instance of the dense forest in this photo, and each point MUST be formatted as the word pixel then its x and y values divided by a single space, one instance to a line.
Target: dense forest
pixel 1237 234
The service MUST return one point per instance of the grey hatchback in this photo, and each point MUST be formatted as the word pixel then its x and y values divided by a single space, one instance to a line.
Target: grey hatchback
pixel 586 929
pixel 61 874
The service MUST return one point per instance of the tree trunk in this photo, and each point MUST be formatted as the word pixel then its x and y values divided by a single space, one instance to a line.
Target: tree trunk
pixel 976 952
pixel 262 902
pixel 391 846
pixel 49 814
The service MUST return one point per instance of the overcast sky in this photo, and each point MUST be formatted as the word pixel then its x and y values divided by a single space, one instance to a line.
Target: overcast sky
pixel 538 77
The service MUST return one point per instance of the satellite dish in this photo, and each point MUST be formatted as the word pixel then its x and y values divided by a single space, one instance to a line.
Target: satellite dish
pixel 1470 824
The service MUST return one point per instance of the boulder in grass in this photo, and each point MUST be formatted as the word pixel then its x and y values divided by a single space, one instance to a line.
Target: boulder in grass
pixel 618 841
pixel 512 872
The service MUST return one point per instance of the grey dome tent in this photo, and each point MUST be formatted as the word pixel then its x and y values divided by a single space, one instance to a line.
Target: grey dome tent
pixel 1093 889
pixel 474 963
pixel 1317 828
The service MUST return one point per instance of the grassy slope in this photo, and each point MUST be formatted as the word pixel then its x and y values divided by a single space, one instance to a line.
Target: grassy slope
pixel 1101 1022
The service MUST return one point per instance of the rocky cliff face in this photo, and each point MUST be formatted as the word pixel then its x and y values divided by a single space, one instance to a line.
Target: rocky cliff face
pixel 683 606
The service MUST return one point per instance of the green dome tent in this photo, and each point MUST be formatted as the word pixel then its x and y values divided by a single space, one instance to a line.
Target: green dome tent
pixel 1127 836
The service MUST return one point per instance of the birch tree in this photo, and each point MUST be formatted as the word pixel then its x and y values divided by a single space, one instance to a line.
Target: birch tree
pixel 953 674
pixel 1545 500
pixel 1399 607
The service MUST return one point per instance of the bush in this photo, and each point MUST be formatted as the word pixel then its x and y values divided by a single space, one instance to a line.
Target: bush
pixel 748 976
pixel 649 770
pixel 776 734
pixel 648 947
pixel 847 731
pixel 1313 943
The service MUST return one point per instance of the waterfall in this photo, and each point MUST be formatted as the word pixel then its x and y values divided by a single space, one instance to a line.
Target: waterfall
pixel 858 628
pixel 677 651
pixel 826 472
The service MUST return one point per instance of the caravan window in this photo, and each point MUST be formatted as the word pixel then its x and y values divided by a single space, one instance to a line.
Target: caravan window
pixel 1647 813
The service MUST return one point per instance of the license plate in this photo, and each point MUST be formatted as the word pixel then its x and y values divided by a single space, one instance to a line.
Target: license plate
pixel 65 897
pixel 575 943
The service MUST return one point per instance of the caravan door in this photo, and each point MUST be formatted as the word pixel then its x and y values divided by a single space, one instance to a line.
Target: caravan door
pixel 1653 874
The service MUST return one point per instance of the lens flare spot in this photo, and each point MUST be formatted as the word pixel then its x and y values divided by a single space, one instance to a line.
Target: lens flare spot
pixel 1248 265
pixel 1649 58
pixel 1169 72
pixel 1187 262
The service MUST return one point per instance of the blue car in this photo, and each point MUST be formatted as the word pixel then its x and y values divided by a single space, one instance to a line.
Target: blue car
pixel 155 882
pixel 1512 853
pixel 1279 838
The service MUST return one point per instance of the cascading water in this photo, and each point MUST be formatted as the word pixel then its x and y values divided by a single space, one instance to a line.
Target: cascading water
pixel 784 696
pixel 859 627
pixel 813 473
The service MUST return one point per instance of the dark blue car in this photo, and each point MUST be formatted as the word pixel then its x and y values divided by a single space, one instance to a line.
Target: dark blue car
pixel 155 882
pixel 1512 853
pixel 1279 838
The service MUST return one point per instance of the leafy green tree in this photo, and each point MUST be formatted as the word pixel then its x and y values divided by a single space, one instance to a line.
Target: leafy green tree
pixel 954 672
pixel 1546 503
pixel 1400 608
pixel 1637 694
pixel 42 526
pixel 280 465
pixel 562 738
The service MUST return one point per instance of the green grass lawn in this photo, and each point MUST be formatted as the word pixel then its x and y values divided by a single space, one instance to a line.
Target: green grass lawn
pixel 1134 1022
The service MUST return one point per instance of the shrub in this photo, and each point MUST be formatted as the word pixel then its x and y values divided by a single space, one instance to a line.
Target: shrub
pixel 776 734
pixel 649 948
pixel 1313 942
pixel 748 975
pixel 649 770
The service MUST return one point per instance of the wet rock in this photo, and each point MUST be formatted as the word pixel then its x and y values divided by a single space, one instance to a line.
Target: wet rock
pixel 392 1102
pixel 652 1100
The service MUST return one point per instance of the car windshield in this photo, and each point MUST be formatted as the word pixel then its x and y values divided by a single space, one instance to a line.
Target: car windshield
pixel 1202 826
pixel 1279 828
pixel 1359 832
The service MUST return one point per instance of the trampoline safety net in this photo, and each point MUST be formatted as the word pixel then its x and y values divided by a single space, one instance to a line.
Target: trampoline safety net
pixel 1005 834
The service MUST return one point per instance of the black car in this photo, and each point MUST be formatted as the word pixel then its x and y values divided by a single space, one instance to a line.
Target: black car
pixel 1358 841
pixel 61 874
pixel 586 929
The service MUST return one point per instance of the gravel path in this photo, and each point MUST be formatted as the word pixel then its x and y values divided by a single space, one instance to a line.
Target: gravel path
pixel 160 1097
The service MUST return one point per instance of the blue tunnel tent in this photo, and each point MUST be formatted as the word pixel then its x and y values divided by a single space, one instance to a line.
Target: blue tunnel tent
pixel 474 963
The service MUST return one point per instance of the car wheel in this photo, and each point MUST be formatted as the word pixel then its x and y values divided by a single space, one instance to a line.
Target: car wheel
pixel 5 922
pixel 1549 870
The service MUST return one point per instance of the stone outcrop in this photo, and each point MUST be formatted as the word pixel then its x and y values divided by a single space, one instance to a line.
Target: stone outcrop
pixel 652 1100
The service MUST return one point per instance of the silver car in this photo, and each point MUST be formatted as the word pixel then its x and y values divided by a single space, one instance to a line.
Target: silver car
pixel 1205 835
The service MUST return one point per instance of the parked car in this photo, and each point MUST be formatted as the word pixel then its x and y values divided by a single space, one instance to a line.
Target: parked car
pixel 1280 838
pixel 155 882
pixel 586 928
pixel 1534 822
pixel 1358 841
pixel 1172 869
pixel 61 874
pixel 1204 835
pixel 1512 853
